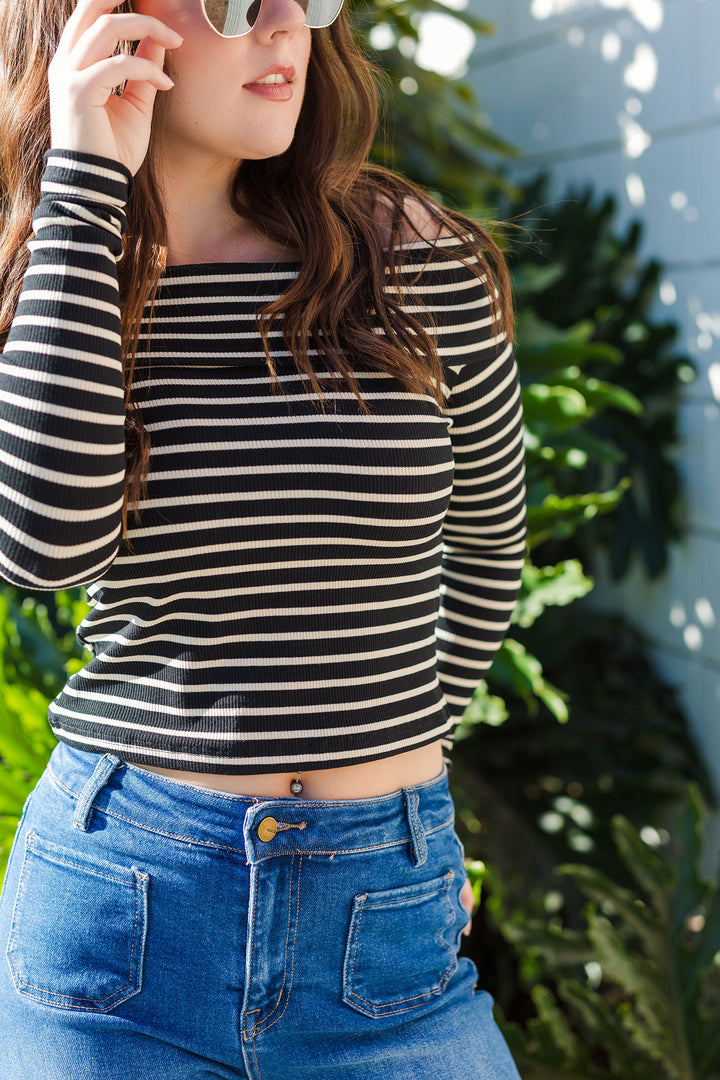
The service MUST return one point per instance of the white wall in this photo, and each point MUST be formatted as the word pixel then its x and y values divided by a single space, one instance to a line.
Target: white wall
pixel 626 94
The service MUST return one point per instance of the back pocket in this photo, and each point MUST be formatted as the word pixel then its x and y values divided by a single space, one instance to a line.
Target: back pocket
pixel 78 931
pixel 400 952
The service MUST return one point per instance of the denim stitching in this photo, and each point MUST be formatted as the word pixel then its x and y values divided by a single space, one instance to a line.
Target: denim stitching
pixel 241 850
pixel 48 997
pixel 384 1010
pixel 351 851
pixel 292 964
pixel 361 908
pixel 287 938
pixel 62 860
pixel 252 920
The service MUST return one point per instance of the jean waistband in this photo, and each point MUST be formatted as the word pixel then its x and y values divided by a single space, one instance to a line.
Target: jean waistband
pixel 260 828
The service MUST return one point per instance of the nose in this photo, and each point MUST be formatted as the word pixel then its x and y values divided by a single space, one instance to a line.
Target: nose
pixel 278 17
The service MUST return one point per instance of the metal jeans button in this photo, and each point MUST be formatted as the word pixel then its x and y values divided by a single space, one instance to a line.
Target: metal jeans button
pixel 267 829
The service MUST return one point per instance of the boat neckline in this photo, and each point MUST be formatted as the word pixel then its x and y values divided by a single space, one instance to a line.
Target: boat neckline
pixel 273 264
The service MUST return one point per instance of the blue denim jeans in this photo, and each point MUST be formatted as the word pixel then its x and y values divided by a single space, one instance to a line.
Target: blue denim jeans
pixel 154 928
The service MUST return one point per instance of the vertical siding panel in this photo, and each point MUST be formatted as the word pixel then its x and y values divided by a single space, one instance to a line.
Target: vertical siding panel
pixel 571 82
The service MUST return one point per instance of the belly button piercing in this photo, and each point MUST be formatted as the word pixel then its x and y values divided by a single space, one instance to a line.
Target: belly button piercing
pixel 296 787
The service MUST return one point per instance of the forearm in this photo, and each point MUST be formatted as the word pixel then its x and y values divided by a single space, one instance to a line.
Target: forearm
pixel 484 530
pixel 62 446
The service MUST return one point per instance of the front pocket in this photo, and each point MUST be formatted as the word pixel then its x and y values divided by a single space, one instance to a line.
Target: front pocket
pixel 78 931
pixel 397 957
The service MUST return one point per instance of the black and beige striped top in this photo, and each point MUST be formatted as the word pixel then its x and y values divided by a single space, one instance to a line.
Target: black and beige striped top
pixel 306 587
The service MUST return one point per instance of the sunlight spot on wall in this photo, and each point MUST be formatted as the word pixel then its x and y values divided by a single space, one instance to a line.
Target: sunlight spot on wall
pixel 635 139
pixel 678 200
pixel 382 37
pixel 540 131
pixel 716 93
pixel 704 341
pixel 576 36
pixel 714 379
pixel 543 9
pixel 407 46
pixel 611 47
pixel 709 322
pixel 704 611
pixel 635 189
pixel 445 44
pixel 678 617
pixel 691 213
pixel 408 85
pixel 649 13
pixel 641 74
pixel 692 636
pixel 633 106
pixel 668 292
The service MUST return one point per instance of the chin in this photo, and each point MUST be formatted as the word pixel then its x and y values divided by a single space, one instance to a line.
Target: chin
pixel 270 149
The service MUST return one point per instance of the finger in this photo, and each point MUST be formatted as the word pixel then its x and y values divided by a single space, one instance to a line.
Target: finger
pixel 98 81
pixel 467 900
pixel 85 14
pixel 150 50
pixel 142 92
pixel 103 38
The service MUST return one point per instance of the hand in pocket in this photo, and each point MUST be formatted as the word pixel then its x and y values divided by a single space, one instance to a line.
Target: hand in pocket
pixel 467 900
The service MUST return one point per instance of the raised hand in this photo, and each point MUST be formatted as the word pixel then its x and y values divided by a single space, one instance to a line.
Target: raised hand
pixel 85 115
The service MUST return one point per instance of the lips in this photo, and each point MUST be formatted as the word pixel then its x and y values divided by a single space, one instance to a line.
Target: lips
pixel 287 71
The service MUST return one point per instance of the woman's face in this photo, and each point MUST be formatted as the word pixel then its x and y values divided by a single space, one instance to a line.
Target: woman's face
pixel 217 107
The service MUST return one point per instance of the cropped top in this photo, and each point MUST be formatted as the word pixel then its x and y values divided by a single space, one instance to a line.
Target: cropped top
pixel 306 587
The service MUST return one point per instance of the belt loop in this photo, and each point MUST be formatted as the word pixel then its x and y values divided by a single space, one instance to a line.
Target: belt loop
pixel 104 769
pixel 412 800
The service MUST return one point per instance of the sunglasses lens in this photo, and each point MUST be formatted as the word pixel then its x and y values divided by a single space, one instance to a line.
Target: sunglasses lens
pixel 233 18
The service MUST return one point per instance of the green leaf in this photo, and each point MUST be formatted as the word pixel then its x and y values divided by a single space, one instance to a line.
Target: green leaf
pixel 553 408
pixel 547 586
pixel 599 888
pixel 558 516
pixel 521 672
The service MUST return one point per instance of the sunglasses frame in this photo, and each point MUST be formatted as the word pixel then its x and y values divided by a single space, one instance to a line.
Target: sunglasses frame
pixel 259 3
pixel 130 7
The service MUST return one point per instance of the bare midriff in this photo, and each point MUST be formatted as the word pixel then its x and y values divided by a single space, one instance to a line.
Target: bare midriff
pixel 369 779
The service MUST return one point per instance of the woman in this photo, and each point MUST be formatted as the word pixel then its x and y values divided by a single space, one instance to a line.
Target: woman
pixel 241 860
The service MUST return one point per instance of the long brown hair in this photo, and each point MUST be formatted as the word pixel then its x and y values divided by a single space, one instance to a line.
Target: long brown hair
pixel 344 216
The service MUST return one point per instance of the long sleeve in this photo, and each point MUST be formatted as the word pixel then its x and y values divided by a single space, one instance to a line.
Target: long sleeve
pixel 485 528
pixel 62 444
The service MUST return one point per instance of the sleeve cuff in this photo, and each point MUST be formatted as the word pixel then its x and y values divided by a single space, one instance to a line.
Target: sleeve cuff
pixel 70 171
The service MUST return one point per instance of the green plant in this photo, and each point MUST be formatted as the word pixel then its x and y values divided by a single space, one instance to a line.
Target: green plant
pixel 581 270
pixel 549 791
pixel 636 992
pixel 25 737
pixel 38 650
pixel 559 401
pixel 434 129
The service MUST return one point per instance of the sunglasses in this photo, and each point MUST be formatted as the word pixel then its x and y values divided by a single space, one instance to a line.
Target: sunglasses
pixel 234 18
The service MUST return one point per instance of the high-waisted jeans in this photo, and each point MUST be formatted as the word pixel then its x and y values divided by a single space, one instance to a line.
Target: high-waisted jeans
pixel 154 928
